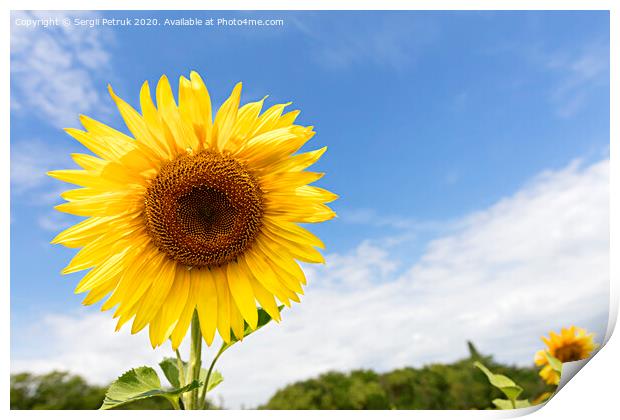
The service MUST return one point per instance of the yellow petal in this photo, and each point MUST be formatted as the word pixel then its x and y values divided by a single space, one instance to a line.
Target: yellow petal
pixel 292 232
pixel 203 100
pixel 297 162
pixel 136 124
pixel 287 270
pixel 225 118
pixel 246 119
pixel 305 194
pixel 288 181
pixel 155 296
pixel 191 113
pixel 236 321
pixel 105 245
pixel 287 119
pixel 241 292
pixel 85 179
pixel 183 135
pixel 223 303
pixel 109 268
pixel 89 162
pixel 265 299
pixel 136 279
pixel 298 250
pixel 87 230
pixel 104 204
pixel 99 291
pixel 163 142
pixel 125 315
pixel 98 145
pixel 263 273
pixel 294 213
pixel 206 303
pixel 273 146
pixel 269 120
pixel 180 330
pixel 171 309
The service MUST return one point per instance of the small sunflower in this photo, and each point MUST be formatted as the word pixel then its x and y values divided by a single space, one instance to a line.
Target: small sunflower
pixel 570 345
pixel 193 213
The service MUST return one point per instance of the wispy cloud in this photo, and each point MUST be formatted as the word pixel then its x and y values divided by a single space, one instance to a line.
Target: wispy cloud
pixel 55 71
pixel 370 217
pixel 30 160
pixel 579 72
pixel 573 74
pixel 344 41
pixel 54 221
pixel 534 261
pixel 30 186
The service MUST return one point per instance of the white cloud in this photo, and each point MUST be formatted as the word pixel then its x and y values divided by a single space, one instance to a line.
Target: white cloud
pixel 86 344
pixel 56 72
pixel 535 261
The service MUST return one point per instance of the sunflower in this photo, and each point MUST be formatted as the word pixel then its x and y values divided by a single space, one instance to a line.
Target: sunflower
pixel 192 213
pixel 570 345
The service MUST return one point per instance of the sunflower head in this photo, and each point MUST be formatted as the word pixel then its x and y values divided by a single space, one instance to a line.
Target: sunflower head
pixel 192 212
pixel 570 345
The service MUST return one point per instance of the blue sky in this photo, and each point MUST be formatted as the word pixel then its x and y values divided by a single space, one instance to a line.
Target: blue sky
pixel 432 120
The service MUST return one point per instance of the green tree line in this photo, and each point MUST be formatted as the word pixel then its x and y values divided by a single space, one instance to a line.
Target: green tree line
pixel 456 386
pixel 437 386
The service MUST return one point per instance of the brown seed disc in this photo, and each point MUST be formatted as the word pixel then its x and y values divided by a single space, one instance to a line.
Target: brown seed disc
pixel 569 353
pixel 203 209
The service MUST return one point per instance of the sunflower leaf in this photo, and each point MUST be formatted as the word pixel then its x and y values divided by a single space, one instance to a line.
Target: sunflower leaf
pixel 503 383
pixel 554 363
pixel 215 379
pixel 138 384
pixel 170 367
pixel 503 404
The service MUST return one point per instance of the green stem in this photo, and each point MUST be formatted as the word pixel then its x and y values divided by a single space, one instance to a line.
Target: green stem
pixel 194 361
pixel 175 403
pixel 203 391
pixel 181 368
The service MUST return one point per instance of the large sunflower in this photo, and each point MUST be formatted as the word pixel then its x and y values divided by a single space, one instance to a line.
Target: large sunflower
pixel 193 213
pixel 570 345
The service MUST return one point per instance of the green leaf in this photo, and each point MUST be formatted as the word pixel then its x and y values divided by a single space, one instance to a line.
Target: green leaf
pixel 215 379
pixel 554 363
pixel 170 367
pixel 263 319
pixel 138 384
pixel 507 404
pixel 503 383
pixel 473 351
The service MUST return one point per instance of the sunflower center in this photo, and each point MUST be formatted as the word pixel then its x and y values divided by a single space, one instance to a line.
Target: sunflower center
pixel 569 353
pixel 203 209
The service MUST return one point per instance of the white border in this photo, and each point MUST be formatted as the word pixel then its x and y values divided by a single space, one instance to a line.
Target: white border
pixel 593 394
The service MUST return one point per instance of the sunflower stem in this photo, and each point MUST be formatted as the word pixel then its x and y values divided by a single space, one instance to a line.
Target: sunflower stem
pixel 181 368
pixel 194 361
pixel 175 403
pixel 203 391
